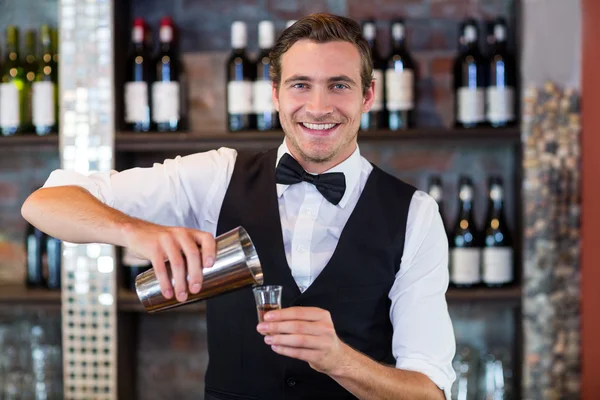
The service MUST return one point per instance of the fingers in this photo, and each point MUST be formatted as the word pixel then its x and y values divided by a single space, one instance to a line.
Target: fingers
pixel 299 313
pixel 208 245
pixel 298 341
pixel 192 257
pixel 160 270
pixel 177 265
pixel 295 327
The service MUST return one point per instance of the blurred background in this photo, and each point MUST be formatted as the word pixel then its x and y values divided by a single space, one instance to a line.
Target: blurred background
pixel 480 106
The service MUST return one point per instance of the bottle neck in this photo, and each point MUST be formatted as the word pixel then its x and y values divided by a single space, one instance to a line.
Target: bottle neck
pixel 12 47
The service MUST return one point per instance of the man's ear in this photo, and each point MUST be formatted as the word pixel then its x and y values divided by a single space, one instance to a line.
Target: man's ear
pixel 369 97
pixel 275 95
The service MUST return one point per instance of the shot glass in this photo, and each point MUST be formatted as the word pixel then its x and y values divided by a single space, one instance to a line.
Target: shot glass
pixel 267 298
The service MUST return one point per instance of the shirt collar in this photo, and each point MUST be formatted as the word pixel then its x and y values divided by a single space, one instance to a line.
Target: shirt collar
pixel 351 167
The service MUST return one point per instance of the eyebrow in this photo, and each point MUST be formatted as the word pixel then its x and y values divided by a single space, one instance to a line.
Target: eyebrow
pixel 304 78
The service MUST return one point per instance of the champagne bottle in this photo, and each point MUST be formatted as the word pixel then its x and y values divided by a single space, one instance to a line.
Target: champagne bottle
pixel 500 94
pixel 139 77
pixel 465 241
pixel 34 248
pixel 375 118
pixel 166 91
pixel 239 82
pixel 14 88
pixel 497 263
pixel 469 79
pixel 45 87
pixel 436 191
pixel 267 117
pixel 30 67
pixel 400 81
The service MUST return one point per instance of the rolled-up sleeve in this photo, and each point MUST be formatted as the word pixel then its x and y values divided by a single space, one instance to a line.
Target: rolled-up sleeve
pixel 423 338
pixel 184 191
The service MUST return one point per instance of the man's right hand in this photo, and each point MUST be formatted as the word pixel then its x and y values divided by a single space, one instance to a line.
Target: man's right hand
pixel 158 243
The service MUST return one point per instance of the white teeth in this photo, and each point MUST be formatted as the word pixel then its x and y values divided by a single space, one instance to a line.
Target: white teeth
pixel 319 127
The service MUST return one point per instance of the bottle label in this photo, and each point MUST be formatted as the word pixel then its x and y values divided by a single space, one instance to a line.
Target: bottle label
pixel 399 89
pixel 137 34
pixel 496 193
pixel 166 34
pixel 497 265
pixel 501 104
pixel 129 260
pixel 43 104
pixel 9 105
pixel 136 102
pixel 262 97
pixel 165 99
pixel 378 100
pixel 239 97
pixel 471 105
pixel 465 264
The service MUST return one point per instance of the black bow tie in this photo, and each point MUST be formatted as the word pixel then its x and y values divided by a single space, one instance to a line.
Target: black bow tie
pixel 331 185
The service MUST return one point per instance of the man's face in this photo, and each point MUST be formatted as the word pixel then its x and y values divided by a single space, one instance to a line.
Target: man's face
pixel 320 102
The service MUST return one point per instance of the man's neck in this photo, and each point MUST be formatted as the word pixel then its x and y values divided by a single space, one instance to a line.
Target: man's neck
pixel 313 167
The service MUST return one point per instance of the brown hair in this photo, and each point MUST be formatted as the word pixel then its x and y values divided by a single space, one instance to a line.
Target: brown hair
pixel 323 28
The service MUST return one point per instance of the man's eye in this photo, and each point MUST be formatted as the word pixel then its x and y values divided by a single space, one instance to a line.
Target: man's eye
pixel 340 86
pixel 299 85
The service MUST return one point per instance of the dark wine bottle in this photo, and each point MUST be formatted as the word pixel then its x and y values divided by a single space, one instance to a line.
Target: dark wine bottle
pixel 14 89
pixel 139 77
pixel 400 81
pixel 469 79
pixel 53 262
pixel 34 247
pixel 500 93
pixel 267 117
pixel 466 241
pixel 132 267
pixel 375 118
pixel 45 88
pixel 166 92
pixel 240 75
pixel 497 257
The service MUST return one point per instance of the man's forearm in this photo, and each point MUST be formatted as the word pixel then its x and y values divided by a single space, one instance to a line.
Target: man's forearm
pixel 367 379
pixel 72 214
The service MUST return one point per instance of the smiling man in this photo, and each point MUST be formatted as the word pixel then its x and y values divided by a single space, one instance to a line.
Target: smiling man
pixel 362 257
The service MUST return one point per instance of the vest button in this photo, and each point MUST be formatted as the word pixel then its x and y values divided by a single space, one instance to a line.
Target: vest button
pixel 291 382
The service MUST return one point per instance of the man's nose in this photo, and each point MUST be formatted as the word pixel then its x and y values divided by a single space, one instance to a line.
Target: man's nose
pixel 319 104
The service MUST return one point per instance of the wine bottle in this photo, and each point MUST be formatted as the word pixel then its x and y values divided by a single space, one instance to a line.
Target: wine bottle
pixel 30 67
pixel 469 79
pixel 53 262
pixel 139 77
pixel 500 94
pixel 34 248
pixel 374 118
pixel 497 262
pixel 239 82
pixel 45 88
pixel 436 191
pixel 465 241
pixel 132 267
pixel 267 117
pixel 14 88
pixel 400 81
pixel 166 94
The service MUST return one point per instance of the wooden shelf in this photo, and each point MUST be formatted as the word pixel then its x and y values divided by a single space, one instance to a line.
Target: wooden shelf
pixel 255 140
pixel 18 295
pixel 30 141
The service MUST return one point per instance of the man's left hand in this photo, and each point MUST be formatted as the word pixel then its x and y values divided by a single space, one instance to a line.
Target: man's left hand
pixel 305 333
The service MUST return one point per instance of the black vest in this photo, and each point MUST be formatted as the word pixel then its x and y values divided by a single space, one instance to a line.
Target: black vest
pixel 353 287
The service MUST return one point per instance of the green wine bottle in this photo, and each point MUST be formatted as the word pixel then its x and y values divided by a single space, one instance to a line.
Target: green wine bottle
pixel 13 87
pixel 45 88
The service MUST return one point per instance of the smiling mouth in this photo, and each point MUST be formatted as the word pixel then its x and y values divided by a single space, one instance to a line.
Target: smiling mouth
pixel 320 128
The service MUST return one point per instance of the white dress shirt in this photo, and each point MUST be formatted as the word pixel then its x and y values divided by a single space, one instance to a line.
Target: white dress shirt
pixel 189 191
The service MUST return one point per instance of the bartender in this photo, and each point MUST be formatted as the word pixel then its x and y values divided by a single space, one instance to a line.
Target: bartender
pixel 362 256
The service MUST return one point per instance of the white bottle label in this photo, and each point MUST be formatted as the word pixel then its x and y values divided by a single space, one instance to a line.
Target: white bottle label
pixel 43 106
pixel 136 102
pixel 465 263
pixel 501 104
pixel 129 260
pixel 262 97
pixel 165 101
pixel 471 105
pixel 239 97
pixel 9 105
pixel 378 100
pixel 497 265
pixel 399 89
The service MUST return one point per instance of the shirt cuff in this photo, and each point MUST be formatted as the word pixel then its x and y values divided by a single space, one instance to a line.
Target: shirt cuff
pixel 437 376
